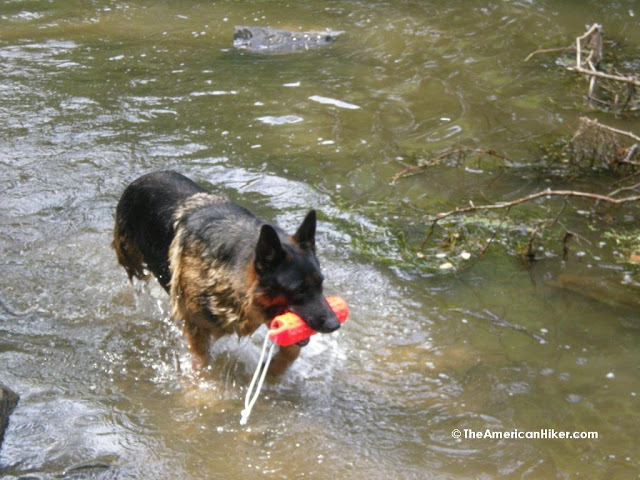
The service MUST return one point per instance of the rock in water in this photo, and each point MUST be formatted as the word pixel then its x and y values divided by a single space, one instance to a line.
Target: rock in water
pixel 8 401
pixel 603 290
pixel 270 40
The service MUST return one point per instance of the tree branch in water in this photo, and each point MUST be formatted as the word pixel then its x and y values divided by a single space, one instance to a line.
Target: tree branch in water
pixel 589 53
pixel 546 193
pixel 443 156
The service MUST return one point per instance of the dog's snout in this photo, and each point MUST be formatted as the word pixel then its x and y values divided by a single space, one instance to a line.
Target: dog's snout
pixel 318 316
pixel 330 325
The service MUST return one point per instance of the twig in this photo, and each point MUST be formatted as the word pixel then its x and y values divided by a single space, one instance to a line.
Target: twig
pixel 442 156
pixel 595 123
pixel 623 189
pixel 624 179
pixel 533 196
pixel 596 73
pixel 547 223
pixel 592 138
pixel 570 235
pixel 496 320
pixel 632 151
pixel 518 201
pixel 428 235
pixel 549 50
pixel 565 245
pixel 530 254
pixel 486 246
pixel 595 28
pixel 594 99
pixel 591 41
pixel 631 92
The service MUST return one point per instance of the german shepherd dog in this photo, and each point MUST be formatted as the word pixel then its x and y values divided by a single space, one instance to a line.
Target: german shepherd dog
pixel 225 270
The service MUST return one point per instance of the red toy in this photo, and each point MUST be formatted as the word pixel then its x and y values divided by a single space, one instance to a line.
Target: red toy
pixel 289 328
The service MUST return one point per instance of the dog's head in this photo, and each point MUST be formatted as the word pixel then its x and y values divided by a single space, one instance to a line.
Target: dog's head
pixel 289 277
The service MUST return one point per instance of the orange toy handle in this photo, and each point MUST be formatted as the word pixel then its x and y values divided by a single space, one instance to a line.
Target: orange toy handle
pixel 339 307
pixel 289 328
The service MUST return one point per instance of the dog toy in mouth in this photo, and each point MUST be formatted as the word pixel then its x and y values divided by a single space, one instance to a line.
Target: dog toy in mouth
pixel 289 328
pixel 285 329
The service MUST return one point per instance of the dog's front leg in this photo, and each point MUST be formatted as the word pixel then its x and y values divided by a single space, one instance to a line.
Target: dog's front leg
pixel 199 340
pixel 285 357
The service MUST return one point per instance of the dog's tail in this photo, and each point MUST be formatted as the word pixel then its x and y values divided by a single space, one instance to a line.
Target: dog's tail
pixel 128 252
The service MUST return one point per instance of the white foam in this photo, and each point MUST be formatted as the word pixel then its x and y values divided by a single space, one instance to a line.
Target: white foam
pixel 282 120
pixel 333 101
pixel 214 92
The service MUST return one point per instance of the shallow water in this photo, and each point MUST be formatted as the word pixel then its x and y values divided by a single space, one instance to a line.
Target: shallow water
pixel 95 94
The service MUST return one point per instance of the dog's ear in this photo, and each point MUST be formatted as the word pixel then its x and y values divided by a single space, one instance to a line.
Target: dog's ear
pixel 306 234
pixel 269 251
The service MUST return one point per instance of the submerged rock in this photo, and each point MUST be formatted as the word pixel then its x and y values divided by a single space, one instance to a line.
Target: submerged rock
pixel 600 289
pixel 8 401
pixel 271 40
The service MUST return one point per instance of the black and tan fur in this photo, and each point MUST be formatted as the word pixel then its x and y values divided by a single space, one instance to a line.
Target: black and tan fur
pixel 226 271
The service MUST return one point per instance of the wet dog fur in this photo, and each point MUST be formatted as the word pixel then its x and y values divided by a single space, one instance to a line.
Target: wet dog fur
pixel 226 271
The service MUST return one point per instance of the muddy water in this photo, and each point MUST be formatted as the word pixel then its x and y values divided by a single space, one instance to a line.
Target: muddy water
pixel 94 94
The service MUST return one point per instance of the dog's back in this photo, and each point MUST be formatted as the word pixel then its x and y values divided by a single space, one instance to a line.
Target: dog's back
pixel 144 222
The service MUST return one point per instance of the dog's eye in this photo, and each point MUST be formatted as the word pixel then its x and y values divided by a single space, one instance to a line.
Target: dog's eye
pixel 299 291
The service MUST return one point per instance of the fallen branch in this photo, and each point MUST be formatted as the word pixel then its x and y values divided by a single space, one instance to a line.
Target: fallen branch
pixel 484 249
pixel 542 225
pixel 623 189
pixel 596 124
pixel 624 179
pixel 548 50
pixel 593 37
pixel 546 193
pixel 632 151
pixel 589 53
pixel 533 196
pixel 596 73
pixel 443 156
pixel 595 141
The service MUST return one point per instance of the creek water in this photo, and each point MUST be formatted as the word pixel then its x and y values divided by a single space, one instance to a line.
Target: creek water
pixel 94 94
